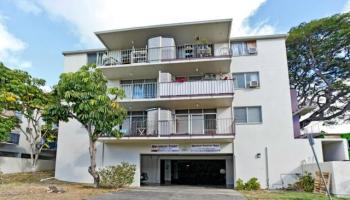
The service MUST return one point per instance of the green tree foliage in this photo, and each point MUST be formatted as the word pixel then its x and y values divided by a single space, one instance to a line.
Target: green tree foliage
pixel 84 96
pixel 8 84
pixel 319 67
pixel 20 92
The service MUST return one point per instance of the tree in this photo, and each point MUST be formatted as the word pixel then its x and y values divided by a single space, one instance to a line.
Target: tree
pixel 22 93
pixel 319 67
pixel 84 96
pixel 7 121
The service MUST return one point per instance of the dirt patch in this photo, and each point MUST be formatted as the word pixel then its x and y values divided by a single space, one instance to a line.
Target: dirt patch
pixel 27 186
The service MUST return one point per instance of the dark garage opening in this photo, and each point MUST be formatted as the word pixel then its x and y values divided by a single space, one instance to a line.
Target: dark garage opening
pixel 196 172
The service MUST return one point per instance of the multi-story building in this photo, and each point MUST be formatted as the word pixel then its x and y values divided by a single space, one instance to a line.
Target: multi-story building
pixel 15 152
pixel 203 108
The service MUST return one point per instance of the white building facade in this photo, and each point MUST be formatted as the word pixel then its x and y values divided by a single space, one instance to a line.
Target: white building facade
pixel 203 108
pixel 15 153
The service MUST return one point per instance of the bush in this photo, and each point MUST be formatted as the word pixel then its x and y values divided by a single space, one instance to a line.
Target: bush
pixel 305 183
pixel 240 184
pixel 1 177
pixel 252 184
pixel 117 176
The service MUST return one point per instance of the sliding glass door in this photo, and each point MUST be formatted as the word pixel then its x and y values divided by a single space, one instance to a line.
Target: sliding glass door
pixel 195 121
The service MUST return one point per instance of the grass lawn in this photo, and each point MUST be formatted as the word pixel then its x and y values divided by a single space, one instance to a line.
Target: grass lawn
pixel 26 186
pixel 284 195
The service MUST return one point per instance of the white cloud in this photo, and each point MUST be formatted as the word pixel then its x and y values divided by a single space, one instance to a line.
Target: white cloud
pixel 11 48
pixel 46 88
pixel 28 6
pixel 88 16
pixel 346 7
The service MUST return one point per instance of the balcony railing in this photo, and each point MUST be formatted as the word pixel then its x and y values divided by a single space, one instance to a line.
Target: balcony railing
pixel 178 127
pixel 196 88
pixel 162 54
pixel 178 89
pixel 140 90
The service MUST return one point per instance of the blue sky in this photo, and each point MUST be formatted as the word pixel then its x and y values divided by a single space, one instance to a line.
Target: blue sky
pixel 33 34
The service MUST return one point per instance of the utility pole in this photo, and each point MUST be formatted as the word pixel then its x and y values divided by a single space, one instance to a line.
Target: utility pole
pixel 312 142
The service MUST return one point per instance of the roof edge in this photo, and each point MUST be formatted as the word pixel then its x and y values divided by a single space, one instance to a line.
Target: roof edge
pixel 259 37
pixel 82 51
pixel 163 25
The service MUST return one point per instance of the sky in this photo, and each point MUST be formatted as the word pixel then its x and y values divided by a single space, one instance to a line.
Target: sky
pixel 33 33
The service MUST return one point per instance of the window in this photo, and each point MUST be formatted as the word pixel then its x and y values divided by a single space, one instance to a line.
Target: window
pixel 243 48
pixel 246 115
pixel 91 58
pixel 14 138
pixel 8 154
pixel 246 80
pixel 195 121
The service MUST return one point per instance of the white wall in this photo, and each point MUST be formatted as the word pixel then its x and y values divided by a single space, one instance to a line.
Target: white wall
pixel 16 165
pixel 285 154
pixel 340 175
pixel 72 159
pixel 73 62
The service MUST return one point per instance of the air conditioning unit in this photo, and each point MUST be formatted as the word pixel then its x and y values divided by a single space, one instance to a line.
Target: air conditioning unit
pixel 252 50
pixel 254 84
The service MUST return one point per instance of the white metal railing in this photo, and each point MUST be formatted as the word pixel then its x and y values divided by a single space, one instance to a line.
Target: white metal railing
pixel 140 90
pixel 195 88
pixel 132 128
pixel 177 89
pixel 159 54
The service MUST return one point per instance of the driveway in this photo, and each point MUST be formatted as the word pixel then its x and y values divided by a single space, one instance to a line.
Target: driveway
pixel 172 193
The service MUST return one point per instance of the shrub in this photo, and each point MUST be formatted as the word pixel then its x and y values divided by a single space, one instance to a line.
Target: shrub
pixel 305 183
pixel 117 176
pixel 240 184
pixel 1 177
pixel 252 184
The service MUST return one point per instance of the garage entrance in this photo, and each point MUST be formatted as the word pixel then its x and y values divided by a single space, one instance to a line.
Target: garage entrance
pixel 195 172
pixel 198 170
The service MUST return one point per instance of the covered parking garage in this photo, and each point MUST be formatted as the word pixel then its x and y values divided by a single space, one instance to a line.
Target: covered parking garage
pixel 208 170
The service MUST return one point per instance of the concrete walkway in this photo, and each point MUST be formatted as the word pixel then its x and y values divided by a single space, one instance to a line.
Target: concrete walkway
pixel 172 193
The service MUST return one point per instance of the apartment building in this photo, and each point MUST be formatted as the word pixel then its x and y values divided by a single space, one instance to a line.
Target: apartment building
pixel 203 108
pixel 15 152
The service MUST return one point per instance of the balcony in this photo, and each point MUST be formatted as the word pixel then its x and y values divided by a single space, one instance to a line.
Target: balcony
pixel 190 127
pixel 147 62
pixel 162 54
pixel 196 88
pixel 204 93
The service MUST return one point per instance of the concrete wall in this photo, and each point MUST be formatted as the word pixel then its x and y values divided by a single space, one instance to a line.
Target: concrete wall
pixel 73 62
pixel 72 158
pixel 340 176
pixel 16 165
pixel 285 154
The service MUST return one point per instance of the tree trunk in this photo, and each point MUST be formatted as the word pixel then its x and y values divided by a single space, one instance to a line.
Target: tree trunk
pixel 92 167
